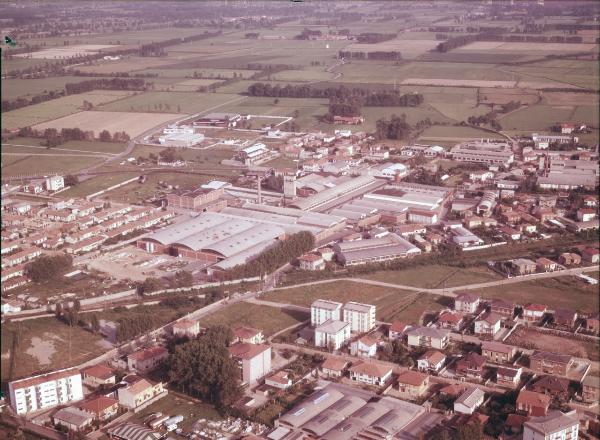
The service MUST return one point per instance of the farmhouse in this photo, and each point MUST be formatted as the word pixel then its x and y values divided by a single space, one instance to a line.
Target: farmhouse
pixel 98 375
pixel 138 392
pixel 431 361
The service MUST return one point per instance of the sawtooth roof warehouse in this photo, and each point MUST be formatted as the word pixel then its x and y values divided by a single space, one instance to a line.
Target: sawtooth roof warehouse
pixel 236 235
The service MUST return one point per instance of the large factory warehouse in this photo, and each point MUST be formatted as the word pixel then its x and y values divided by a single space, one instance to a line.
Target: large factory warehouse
pixel 237 235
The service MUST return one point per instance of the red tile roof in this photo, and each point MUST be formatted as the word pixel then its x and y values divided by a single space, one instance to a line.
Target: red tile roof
pixel 36 380
pixel 99 371
pixel 243 350
pixel 98 405
pixel 410 377
pixel 148 353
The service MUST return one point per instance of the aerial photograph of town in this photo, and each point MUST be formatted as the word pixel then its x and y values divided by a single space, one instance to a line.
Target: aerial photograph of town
pixel 300 220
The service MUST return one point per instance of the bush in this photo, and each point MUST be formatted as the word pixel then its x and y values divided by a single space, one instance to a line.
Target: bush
pixel 46 267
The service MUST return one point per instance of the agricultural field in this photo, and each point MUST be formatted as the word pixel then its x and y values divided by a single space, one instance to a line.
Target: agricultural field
pixel 56 108
pixel 25 164
pixel 510 47
pixel 33 146
pixel 408 48
pixel 172 102
pixel 95 184
pixel 67 51
pixel 132 123
pixel 537 117
pixel 450 135
pixel 13 88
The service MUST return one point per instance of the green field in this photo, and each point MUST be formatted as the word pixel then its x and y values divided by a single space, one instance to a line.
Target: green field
pixel 14 88
pixel 96 184
pixel 56 108
pixel 20 144
pixel 268 319
pixel 40 164
pixel 566 292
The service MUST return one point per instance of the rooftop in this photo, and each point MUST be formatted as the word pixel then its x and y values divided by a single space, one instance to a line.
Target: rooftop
pixel 552 423
pixel 243 350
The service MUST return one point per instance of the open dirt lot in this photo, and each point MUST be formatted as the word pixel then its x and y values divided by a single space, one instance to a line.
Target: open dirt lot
pixel 554 344
pixel 67 51
pixel 131 123
pixel 135 264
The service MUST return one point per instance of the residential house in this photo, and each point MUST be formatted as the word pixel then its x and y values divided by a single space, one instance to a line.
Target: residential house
pixel 370 373
pixel 98 375
pixel 469 401
pixel 428 337
pixel 569 259
pixel 280 380
pixel 564 318
pixel 506 309
pixel 361 317
pixel 509 232
pixel 534 312
pixel 398 330
pixel 590 388
pixel 334 367
pixel 509 377
pixel 311 262
pixel 139 393
pixel 186 327
pixel 523 266
pixel 366 346
pixel 555 425
pixel 431 361
pixel 73 419
pixel 326 253
pixel 592 323
pixel 412 384
pixel 9 306
pixel 487 325
pixel 532 403
pixel 470 365
pixel 254 361
pixel 550 363
pixel 497 352
pixel 514 424
pixel 332 334
pixel 586 214
pixel 45 390
pixel 450 320
pixel 147 359
pixel 466 303
pixel 101 408
pixel 248 335
pixel 544 264
pixel 323 310
pixel 590 255
pixel 552 385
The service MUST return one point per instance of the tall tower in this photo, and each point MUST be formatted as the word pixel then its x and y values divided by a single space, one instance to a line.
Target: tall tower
pixel 289 185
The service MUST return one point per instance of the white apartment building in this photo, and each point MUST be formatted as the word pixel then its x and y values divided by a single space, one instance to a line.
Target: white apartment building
pixel 45 391
pixel 332 334
pixel 361 317
pixel 322 310
pixel 54 183
pixel 554 426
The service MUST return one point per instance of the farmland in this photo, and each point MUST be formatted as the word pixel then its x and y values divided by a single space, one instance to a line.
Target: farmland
pixel 131 123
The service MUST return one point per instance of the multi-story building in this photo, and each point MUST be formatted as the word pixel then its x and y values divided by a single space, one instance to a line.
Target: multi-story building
pixel 193 198
pixel 556 425
pixel 550 363
pixel 466 303
pixel 370 373
pixel 532 403
pixel 45 391
pixel 98 375
pixel 186 327
pixel 490 153
pixel 139 392
pixel 591 388
pixel 147 359
pixel 497 352
pixel 254 361
pixel 54 183
pixel 488 325
pixel 412 384
pixel 323 310
pixel 361 317
pixel 332 334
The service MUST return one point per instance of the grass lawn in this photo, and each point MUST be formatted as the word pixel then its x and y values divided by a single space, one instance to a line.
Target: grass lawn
pixel 435 276
pixel 269 319
pixel 49 332
pixel 412 310
pixel 173 405
pixel 559 292
pixel 95 184
pixel 536 117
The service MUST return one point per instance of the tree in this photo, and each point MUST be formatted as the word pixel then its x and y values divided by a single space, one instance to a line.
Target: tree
pixel 58 310
pixel 203 368
pixel 95 323
pixel 167 155
pixel 71 180
pixel 77 305
pixel 48 267
pixel 183 278
pixel 150 284
pixel 105 136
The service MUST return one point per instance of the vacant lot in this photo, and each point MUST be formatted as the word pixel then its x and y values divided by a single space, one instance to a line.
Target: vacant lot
pixel 131 123
pixel 67 51
pixel 525 337
pixel 95 184
pixel 268 319
pixel 565 292
pixel 47 339
pixel 435 276
pixel 45 111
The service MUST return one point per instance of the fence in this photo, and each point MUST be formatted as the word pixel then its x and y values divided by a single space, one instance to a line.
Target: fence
pixel 110 188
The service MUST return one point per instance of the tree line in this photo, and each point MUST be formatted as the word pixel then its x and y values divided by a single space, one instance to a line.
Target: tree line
pixel 392 55
pixel 134 325
pixel 48 267
pixel 374 37
pixel 158 49
pixel 394 128
pixel 53 137
pixel 273 258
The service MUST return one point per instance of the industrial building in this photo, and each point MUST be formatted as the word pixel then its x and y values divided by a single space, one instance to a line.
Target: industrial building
pixel 236 235
pixel 218 120
pixel 194 198
pixel 339 412
pixel 570 174
pixel 489 152
pixel 181 140
pixel 388 247
pixel 254 154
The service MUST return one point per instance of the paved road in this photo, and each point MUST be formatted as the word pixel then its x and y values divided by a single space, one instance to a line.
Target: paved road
pixel 449 291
